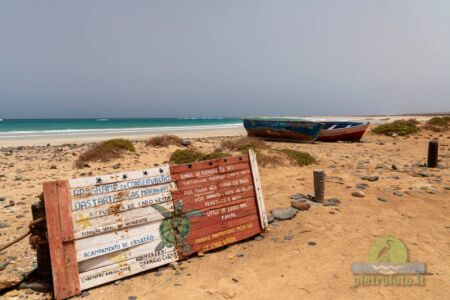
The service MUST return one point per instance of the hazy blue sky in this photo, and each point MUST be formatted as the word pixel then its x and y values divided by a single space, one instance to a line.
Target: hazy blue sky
pixel 223 58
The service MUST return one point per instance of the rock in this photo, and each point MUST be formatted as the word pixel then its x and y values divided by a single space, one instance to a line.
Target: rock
pixel 282 213
pixel 258 238
pixel 132 298
pixel 115 167
pixel 3 225
pixel 9 280
pixel 298 200
pixel 234 279
pixel 240 254
pixel 157 274
pixel 38 286
pixel 270 219
pixel 186 143
pixel 52 167
pixel 394 167
pixel 311 197
pixel 2 198
pixel 173 265
pixel 398 193
pixel 301 205
pixel 3 265
pixel 297 196
pixel 334 200
pixel 84 294
pixel 312 203
pixel 288 237
pixel 330 204
pixel 382 199
pixel 274 223
pixel 371 178
pixel 311 243
pixel 361 186
pixel 359 194
pixel 117 282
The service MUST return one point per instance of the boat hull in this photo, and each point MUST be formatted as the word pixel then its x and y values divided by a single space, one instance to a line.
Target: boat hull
pixel 283 130
pixel 353 133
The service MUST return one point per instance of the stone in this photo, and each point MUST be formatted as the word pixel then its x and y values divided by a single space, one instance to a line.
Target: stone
pixel 157 274
pixel 311 243
pixel 359 194
pixel 38 286
pixel 312 203
pixel 117 282
pixel 334 200
pixel 173 265
pixel 371 178
pixel 398 193
pixel 301 205
pixel 3 265
pixel 274 223
pixel 2 198
pixel 3 225
pixel 298 200
pixel 132 298
pixel 115 167
pixel 311 196
pixel 330 204
pixel 282 213
pixel 288 237
pixel 240 254
pixel 259 238
pixel 361 186
pixel 270 219
pixel 9 280
pixel 382 199
pixel 394 167
pixel 53 167
pixel 297 196
pixel 234 279
pixel 84 294
pixel 186 143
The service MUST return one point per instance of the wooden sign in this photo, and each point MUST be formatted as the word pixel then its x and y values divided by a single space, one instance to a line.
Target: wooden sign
pixel 107 227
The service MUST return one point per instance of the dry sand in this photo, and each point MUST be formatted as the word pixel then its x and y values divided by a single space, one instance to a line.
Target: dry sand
pixel 274 268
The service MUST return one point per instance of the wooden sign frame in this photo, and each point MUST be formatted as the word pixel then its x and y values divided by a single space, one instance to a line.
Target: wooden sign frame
pixel 108 227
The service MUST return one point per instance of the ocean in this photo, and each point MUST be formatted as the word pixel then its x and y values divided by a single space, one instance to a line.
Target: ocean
pixel 35 128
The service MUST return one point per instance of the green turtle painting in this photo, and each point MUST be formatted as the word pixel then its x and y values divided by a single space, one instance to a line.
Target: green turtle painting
pixel 175 229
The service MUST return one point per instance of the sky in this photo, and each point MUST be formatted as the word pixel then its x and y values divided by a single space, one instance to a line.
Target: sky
pixel 70 59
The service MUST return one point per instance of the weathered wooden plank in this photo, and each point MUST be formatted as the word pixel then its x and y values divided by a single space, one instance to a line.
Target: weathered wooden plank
pixel 194 174
pixel 244 180
pixel 191 183
pixel 207 164
pixel 116 208
pixel 117 177
pixel 218 199
pixel 234 167
pixel 71 264
pixel 126 268
pixel 116 197
pixel 117 187
pixel 57 257
pixel 85 226
pixel 203 238
pixel 118 256
pixel 258 189
pixel 114 241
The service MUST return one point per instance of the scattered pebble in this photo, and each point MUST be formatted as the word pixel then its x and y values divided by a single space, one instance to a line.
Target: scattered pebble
pixel 282 213
pixel 382 199
pixel 359 194
pixel 311 243
pixel 288 237
pixel 398 193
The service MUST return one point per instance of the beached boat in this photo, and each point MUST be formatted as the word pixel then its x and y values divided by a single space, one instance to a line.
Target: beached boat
pixel 342 131
pixel 292 130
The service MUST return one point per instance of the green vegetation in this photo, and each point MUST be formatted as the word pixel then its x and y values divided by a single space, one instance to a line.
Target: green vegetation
pixel 105 151
pixel 301 158
pixel 183 156
pixel 400 127
pixel 244 144
pixel 444 121
pixel 164 140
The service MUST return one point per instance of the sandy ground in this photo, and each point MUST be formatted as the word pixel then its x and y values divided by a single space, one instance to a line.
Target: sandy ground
pixel 274 267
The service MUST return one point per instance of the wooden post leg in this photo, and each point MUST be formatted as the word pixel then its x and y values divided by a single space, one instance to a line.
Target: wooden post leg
pixel 319 185
pixel 38 241
pixel 433 154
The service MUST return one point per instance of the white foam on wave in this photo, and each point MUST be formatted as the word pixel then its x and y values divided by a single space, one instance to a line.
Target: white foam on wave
pixel 75 132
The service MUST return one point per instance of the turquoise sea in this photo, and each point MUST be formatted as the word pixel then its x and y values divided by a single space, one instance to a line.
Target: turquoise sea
pixel 16 128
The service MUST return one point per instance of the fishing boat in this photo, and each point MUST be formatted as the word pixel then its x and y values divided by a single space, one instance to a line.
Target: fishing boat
pixel 291 130
pixel 1 120
pixel 342 131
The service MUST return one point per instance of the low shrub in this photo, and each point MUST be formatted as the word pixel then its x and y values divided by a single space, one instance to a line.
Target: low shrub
pixel 299 157
pixel 105 151
pixel 164 140
pixel 183 156
pixel 243 144
pixel 400 127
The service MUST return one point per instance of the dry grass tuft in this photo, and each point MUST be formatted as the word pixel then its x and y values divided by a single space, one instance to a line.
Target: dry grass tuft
pixel 164 140
pixel 105 151
pixel 438 124
pixel 243 144
pixel 183 156
pixel 400 127
pixel 300 158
